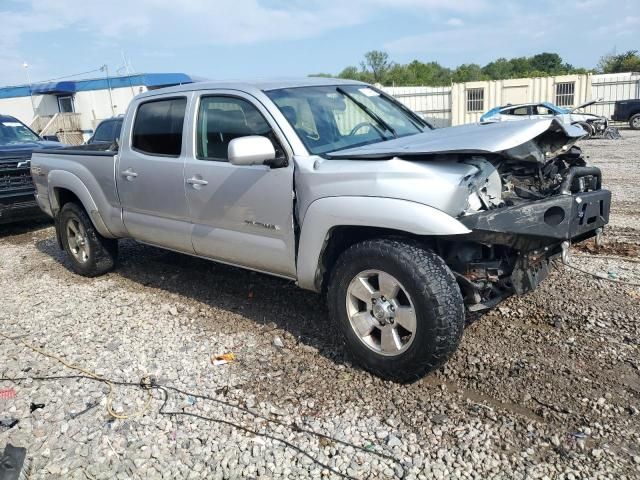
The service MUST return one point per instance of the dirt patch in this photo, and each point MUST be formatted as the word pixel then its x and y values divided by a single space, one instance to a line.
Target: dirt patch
pixel 612 247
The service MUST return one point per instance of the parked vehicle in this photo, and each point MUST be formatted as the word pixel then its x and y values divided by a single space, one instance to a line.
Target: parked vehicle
pixel 592 124
pixel 107 131
pixel 17 141
pixel 337 186
pixel 627 111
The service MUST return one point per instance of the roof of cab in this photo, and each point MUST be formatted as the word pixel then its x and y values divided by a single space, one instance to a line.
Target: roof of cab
pixel 261 85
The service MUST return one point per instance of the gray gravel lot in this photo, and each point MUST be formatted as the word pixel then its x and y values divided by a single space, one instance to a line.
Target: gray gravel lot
pixel 545 386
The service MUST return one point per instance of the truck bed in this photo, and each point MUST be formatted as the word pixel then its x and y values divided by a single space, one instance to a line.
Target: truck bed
pixel 81 169
pixel 94 149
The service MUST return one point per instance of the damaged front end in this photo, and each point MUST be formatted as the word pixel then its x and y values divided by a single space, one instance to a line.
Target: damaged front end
pixel 524 190
pixel 548 198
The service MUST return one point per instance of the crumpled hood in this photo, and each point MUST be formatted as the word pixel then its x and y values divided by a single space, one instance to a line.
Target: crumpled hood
pixel 532 140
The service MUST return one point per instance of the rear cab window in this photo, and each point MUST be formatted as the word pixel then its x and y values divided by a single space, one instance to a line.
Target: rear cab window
pixel 158 127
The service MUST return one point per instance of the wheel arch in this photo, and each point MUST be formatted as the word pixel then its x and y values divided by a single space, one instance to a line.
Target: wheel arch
pixel 331 225
pixel 65 187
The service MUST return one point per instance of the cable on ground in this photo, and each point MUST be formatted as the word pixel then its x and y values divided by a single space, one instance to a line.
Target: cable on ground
pixel 93 375
pixel 148 384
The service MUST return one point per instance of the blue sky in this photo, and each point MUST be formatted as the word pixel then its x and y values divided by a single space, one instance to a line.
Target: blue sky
pixel 223 39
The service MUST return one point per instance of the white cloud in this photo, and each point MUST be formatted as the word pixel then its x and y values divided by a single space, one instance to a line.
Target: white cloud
pixel 167 24
pixel 491 27
pixel 478 43
pixel 223 22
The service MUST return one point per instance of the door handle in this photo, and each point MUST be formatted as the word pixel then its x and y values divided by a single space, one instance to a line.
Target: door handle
pixel 197 181
pixel 129 174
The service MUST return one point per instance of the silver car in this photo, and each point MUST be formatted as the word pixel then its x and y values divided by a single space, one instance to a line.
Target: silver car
pixel 592 124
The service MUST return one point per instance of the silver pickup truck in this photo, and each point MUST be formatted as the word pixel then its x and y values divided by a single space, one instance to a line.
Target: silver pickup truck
pixel 334 185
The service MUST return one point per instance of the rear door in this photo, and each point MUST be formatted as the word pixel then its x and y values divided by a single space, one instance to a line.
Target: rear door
pixel 241 215
pixel 150 174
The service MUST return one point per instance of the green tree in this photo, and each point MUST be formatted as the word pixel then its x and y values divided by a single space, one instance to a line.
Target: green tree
pixel 550 63
pixel 378 68
pixel 431 74
pixel 468 72
pixel 350 73
pixel 625 62
pixel 499 69
pixel 378 63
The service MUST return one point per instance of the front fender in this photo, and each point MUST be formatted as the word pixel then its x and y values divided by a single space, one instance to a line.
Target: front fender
pixel 67 180
pixel 326 213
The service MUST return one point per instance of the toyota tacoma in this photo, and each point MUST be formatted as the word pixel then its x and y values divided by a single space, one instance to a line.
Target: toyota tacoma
pixel 337 186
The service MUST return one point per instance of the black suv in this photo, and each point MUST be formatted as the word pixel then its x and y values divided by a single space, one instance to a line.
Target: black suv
pixel 627 111
pixel 107 131
pixel 17 141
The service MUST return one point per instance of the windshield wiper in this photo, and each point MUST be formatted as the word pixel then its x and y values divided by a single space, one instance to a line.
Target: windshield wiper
pixel 368 111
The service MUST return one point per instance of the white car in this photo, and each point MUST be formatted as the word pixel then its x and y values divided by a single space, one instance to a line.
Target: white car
pixel 592 124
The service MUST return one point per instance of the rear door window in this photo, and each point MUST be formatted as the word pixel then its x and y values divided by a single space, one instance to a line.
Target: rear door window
pixel 158 127
pixel 542 110
pixel 521 111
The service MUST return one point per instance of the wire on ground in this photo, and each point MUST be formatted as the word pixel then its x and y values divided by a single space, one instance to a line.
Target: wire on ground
pixel 148 384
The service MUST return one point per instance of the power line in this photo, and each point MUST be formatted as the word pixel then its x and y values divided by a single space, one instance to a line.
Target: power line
pixel 69 76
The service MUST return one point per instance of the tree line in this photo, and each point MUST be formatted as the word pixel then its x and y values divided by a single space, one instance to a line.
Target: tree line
pixel 377 67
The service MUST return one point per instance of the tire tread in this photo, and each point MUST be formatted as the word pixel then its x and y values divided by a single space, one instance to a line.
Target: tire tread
pixel 436 283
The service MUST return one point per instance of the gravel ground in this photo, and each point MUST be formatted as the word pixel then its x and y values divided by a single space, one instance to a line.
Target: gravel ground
pixel 547 385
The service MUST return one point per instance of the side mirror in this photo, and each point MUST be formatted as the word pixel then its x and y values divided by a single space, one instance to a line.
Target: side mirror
pixel 251 150
pixel 51 138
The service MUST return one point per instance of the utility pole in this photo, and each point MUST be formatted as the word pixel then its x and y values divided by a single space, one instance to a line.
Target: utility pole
pixel 25 65
pixel 105 68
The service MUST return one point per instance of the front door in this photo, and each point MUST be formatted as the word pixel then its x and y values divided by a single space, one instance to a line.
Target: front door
pixel 241 215
pixel 150 175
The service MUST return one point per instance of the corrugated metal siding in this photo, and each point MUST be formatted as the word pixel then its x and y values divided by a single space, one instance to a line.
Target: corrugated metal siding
pixel 432 103
pixel 612 87
pixel 519 90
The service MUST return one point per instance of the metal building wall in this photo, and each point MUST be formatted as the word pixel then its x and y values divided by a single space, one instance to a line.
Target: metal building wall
pixel 518 90
pixel 432 103
pixel 612 87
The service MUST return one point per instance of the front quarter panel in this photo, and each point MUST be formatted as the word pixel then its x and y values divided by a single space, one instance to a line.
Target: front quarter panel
pixel 327 213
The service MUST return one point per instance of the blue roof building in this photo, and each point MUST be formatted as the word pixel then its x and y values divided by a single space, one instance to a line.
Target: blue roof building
pixel 86 101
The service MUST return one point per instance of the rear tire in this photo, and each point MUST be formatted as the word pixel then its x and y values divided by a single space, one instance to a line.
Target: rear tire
pixel 414 296
pixel 634 122
pixel 90 253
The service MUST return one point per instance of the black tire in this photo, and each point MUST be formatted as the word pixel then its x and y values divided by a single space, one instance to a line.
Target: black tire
pixel 634 122
pixel 436 298
pixel 587 128
pixel 102 252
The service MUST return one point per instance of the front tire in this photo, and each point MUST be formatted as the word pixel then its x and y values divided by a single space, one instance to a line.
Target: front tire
pixel 634 122
pixel 587 128
pixel 398 307
pixel 90 253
